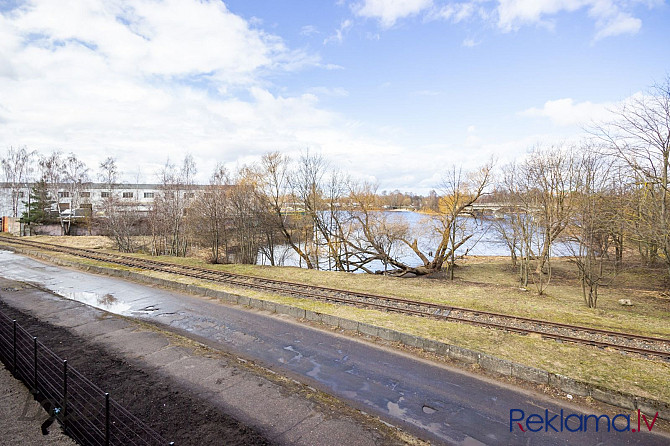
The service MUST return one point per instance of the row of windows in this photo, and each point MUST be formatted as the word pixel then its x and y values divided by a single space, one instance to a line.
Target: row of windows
pixel 128 194
pixel 66 194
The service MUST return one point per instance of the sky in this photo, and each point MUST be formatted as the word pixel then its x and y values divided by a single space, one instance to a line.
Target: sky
pixel 390 91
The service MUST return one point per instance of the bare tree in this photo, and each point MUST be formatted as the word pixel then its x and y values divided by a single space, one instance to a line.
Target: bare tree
pixel 167 217
pixel 121 221
pixel 308 188
pixel 188 172
pixel 17 169
pixel 272 178
pixel 369 234
pixel 122 224
pixel 506 234
pixel 212 207
pixel 592 223
pixel 378 238
pixel 75 175
pixel 640 136
pixel 109 173
pixel 540 191
pixel 553 176
pixel 620 202
pixel 51 171
pixel 332 221
pixel 521 224
pixel 247 212
pixel 460 191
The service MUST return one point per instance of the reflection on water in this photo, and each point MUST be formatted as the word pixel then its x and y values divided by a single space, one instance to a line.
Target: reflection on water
pixel 105 302
pixel 485 241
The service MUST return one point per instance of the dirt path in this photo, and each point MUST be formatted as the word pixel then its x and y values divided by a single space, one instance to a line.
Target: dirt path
pixel 21 416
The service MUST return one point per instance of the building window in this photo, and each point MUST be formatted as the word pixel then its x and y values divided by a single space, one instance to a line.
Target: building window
pixel 85 195
pixel 127 195
pixel 148 195
pixel 189 195
pixel 105 194
pixel 64 194
pixel 21 195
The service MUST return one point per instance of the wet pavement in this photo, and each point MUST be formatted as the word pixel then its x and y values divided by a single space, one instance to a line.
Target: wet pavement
pixel 434 402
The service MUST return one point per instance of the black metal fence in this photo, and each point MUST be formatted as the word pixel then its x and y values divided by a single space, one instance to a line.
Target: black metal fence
pixel 86 413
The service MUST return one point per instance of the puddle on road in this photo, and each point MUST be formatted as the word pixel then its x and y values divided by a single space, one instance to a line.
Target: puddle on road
pixel 105 302
pixel 428 410
pixel 314 373
pixel 298 355
pixel 395 410
pixel 107 299
pixel 147 310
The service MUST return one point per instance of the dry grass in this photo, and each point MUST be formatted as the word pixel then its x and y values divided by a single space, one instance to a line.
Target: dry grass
pixel 88 242
pixel 489 284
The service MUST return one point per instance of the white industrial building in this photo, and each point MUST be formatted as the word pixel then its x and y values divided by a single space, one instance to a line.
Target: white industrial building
pixel 140 195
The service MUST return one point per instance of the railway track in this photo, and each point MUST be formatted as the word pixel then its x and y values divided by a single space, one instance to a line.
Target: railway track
pixel 626 342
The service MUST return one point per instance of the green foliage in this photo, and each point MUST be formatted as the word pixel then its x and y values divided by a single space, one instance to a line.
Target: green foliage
pixel 39 205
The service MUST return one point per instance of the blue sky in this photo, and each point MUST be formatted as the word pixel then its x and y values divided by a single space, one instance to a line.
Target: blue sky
pixel 392 91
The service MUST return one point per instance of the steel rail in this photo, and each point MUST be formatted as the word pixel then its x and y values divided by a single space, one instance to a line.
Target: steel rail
pixel 413 307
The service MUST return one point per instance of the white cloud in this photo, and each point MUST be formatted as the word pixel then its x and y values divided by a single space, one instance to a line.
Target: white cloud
pixel 338 37
pixel 621 24
pixel 331 66
pixel 309 30
pixel 514 13
pixel 611 17
pixel 152 38
pixel 471 43
pixel 327 91
pixel 566 112
pixel 143 80
pixel 390 11
pixel 457 12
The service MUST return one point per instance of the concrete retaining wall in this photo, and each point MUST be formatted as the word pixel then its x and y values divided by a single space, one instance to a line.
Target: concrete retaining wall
pixel 461 354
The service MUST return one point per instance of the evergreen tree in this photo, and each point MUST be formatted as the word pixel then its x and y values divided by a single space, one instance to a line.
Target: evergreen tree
pixel 39 205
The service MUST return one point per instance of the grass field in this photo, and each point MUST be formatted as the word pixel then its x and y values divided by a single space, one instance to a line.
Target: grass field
pixel 489 284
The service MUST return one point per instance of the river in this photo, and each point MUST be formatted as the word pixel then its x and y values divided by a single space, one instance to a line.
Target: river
pixel 485 241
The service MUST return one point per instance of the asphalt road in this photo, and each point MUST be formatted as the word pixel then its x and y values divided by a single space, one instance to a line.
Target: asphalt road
pixel 434 402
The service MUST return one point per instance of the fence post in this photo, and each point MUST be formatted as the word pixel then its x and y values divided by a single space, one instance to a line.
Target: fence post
pixel 14 347
pixel 106 419
pixel 65 395
pixel 35 364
